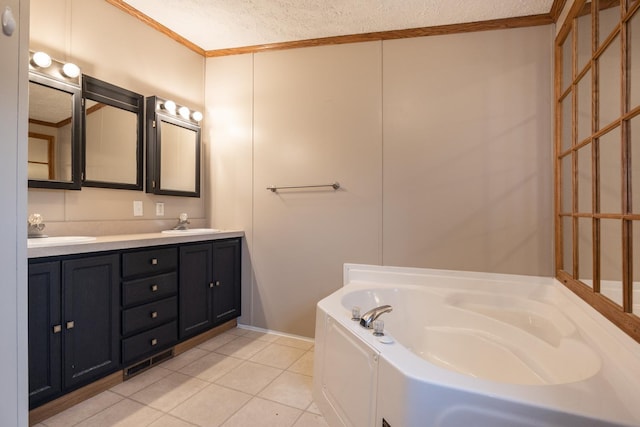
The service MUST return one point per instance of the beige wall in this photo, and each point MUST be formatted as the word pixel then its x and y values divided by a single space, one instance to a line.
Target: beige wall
pixel 442 144
pixel 111 45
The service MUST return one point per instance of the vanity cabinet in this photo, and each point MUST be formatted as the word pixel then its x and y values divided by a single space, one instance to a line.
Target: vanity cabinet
pixel 74 322
pixel 149 302
pixel 209 285
pixel 92 314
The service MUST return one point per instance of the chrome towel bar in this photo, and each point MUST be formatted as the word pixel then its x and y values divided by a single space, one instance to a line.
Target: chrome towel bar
pixel 274 188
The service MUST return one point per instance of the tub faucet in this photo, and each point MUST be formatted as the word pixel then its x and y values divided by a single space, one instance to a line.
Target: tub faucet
pixel 367 319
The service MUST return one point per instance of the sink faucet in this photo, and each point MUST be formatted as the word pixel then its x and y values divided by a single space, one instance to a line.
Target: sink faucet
pixel 35 226
pixel 183 222
pixel 367 319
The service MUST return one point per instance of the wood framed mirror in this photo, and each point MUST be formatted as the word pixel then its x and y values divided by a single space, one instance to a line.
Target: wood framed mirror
pixel 113 141
pixel 55 130
pixel 173 149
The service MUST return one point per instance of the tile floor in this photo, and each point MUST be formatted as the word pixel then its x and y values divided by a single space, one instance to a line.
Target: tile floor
pixel 240 378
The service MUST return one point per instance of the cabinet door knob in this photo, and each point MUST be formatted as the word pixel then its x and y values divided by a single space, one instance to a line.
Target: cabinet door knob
pixel 211 285
pixel 70 324
pixel 154 341
pixel 154 314
pixel 154 261
pixel 218 283
pixel 154 288
pixel 57 329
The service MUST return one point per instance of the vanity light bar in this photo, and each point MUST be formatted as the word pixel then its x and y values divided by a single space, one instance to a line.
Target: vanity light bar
pixel 169 106
pixel 42 63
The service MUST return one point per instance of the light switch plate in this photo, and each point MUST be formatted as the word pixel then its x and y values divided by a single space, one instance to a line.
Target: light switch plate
pixel 159 209
pixel 137 208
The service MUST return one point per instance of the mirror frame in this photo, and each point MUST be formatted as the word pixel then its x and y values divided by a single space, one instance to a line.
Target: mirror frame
pixel 154 117
pixel 76 133
pixel 106 93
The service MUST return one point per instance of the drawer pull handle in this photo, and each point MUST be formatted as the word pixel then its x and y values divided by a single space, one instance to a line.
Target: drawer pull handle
pixel 57 329
pixel 154 314
pixel 70 324
pixel 154 261
pixel 154 341
pixel 154 288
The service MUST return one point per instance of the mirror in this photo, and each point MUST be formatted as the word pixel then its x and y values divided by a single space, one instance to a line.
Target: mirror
pixel 54 133
pixel 173 149
pixel 113 137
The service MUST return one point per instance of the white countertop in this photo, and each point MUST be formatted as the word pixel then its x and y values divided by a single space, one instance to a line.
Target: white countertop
pixel 127 241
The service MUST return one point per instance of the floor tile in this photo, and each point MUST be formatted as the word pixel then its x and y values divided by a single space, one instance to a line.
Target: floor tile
pixel 308 419
pixel 184 359
pixel 211 367
pixel 313 408
pixel 278 356
pixel 170 421
pixel 262 336
pixel 304 365
pixel 211 385
pixel 242 348
pixel 249 377
pixel 217 341
pixel 141 381
pixel 263 413
pixel 125 413
pixel 290 389
pixel 211 406
pixel 168 392
pixel 294 342
pixel 84 410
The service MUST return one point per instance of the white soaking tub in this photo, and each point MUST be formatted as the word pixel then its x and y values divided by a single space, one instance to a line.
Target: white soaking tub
pixel 470 349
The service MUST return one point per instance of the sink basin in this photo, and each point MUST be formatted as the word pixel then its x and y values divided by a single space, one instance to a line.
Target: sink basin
pixel 191 231
pixel 39 242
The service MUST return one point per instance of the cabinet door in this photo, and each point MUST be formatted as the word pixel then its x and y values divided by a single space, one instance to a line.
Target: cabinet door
pixel 91 318
pixel 226 275
pixel 195 284
pixel 45 362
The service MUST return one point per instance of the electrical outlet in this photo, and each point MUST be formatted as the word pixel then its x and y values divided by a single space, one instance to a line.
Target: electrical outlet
pixel 159 209
pixel 137 208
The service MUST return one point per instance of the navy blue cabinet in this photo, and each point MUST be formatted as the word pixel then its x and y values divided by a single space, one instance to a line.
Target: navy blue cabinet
pixel 45 332
pixel 74 323
pixel 209 285
pixel 93 314
pixel 149 303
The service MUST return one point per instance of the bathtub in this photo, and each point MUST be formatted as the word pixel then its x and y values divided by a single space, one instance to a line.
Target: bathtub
pixel 470 349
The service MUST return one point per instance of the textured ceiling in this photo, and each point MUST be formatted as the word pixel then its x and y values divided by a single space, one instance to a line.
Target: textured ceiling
pixel 223 24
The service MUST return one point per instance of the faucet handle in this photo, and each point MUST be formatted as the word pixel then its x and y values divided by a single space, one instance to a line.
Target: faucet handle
pixel 378 327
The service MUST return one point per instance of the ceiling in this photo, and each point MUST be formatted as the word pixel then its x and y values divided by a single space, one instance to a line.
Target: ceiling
pixel 226 24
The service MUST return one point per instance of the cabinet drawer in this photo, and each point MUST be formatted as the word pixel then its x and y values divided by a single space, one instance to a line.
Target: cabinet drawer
pixel 149 342
pixel 149 315
pixel 149 261
pixel 149 289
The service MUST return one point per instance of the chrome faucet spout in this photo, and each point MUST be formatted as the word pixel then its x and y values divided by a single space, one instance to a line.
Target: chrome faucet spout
pixel 367 319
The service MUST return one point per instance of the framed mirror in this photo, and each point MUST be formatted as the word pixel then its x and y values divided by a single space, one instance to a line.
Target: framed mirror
pixel 173 149
pixel 113 140
pixel 55 128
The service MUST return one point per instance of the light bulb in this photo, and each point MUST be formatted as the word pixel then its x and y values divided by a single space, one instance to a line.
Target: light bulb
pixel 41 59
pixel 196 115
pixel 184 112
pixel 71 70
pixel 170 106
